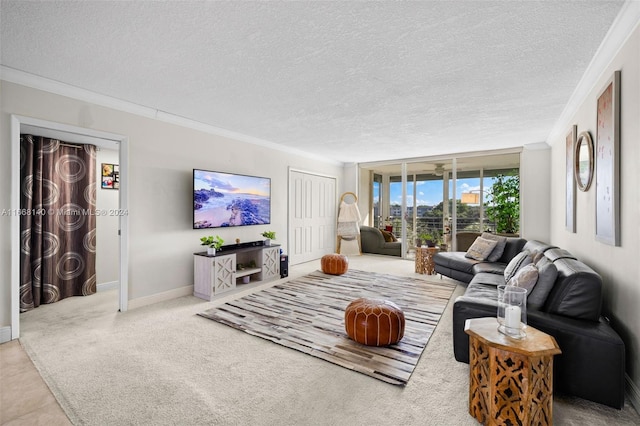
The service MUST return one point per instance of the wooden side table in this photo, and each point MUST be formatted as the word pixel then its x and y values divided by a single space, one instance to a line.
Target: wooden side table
pixel 424 260
pixel 510 380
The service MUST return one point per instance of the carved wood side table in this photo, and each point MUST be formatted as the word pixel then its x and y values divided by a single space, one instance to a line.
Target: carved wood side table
pixel 424 260
pixel 510 380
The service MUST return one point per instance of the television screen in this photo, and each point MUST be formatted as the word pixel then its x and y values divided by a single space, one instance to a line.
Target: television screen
pixel 226 199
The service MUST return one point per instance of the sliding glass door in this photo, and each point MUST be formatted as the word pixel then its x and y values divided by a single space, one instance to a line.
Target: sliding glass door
pixel 415 201
pixel 376 199
pixel 425 208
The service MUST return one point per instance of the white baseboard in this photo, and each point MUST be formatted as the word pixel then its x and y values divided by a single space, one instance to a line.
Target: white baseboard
pixel 107 286
pixel 5 334
pixel 633 392
pixel 161 297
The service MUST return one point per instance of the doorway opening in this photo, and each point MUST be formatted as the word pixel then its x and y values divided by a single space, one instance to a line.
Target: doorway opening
pixel 78 135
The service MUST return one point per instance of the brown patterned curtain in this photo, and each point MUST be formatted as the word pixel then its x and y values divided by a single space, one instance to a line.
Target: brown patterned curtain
pixel 57 222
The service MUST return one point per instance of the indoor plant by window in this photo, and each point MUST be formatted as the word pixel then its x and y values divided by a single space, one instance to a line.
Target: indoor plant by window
pixel 212 243
pixel 504 204
pixel 428 238
pixel 268 235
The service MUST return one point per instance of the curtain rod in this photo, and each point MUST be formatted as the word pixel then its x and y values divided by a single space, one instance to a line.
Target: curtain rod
pixel 71 145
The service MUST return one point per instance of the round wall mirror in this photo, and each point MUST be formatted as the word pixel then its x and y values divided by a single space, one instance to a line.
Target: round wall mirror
pixel 583 161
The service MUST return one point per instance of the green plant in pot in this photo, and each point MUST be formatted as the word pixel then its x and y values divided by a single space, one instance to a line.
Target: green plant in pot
pixel 504 206
pixel 212 243
pixel 428 238
pixel 268 235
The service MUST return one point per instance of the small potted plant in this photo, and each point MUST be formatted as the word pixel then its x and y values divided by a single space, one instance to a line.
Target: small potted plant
pixel 212 243
pixel 428 239
pixel 268 235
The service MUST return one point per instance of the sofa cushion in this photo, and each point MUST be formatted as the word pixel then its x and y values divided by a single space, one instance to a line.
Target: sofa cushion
pixel 534 245
pixel 536 256
pixel 481 248
pixel 547 273
pixel 489 279
pixel 513 246
pixel 499 248
pixel 481 294
pixel 557 253
pixel 526 277
pixel 521 259
pixel 455 260
pixel 489 267
pixel 577 291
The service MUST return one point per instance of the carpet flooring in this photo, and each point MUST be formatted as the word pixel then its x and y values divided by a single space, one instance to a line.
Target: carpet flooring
pixel 307 314
pixel 163 364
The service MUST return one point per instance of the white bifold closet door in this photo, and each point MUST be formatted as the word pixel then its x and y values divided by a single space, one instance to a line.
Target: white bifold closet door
pixel 312 216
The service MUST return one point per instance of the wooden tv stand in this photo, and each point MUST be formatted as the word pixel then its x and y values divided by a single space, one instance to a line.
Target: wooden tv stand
pixel 215 275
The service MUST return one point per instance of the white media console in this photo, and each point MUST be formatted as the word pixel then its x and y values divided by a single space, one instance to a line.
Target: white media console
pixel 214 275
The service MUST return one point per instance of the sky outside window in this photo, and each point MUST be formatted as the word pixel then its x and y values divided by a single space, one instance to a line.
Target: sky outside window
pixel 429 193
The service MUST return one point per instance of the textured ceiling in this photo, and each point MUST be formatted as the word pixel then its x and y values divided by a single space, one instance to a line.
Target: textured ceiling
pixel 354 81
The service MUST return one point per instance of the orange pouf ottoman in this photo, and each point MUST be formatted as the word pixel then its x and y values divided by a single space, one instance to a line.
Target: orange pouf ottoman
pixel 334 264
pixel 374 322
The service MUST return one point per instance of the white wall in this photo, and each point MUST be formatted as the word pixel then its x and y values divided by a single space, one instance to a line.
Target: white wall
pixel 107 240
pixel 350 178
pixel 162 156
pixel 619 266
pixel 364 195
pixel 535 183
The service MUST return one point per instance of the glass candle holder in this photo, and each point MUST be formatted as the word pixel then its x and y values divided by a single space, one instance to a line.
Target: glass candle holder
pixel 512 311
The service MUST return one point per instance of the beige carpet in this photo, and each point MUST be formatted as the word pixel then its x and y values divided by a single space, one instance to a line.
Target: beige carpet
pixel 307 314
pixel 165 365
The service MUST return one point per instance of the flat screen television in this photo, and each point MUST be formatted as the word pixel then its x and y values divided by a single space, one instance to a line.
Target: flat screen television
pixel 229 199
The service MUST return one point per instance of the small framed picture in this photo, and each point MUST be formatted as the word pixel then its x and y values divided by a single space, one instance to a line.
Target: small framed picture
pixel 110 176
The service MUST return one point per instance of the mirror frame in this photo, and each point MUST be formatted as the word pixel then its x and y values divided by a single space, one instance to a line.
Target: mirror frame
pixel 584 139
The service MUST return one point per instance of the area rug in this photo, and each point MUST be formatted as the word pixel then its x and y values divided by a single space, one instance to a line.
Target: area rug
pixel 307 314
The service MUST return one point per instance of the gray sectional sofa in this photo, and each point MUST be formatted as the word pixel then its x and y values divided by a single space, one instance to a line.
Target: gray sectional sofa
pixel 592 363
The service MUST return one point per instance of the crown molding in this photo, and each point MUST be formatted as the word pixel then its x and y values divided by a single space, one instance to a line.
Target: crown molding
pixel 621 29
pixel 33 81
pixel 22 78
pixel 443 157
pixel 537 146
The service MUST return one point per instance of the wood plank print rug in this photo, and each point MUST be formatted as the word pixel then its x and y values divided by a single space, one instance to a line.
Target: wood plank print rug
pixel 307 314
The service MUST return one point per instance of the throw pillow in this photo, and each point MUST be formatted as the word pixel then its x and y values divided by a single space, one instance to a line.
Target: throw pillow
pixel 526 277
pixel 519 260
pixel 499 249
pixel 537 255
pixel 547 274
pixel 388 236
pixel 481 248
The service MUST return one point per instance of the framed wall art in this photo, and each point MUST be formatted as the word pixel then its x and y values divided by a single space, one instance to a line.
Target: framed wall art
pixel 607 163
pixel 570 218
pixel 110 176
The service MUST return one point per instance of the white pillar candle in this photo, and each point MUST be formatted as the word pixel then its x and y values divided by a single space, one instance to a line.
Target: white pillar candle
pixel 512 317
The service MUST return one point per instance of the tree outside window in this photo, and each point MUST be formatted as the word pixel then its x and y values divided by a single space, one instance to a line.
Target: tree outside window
pixel 503 205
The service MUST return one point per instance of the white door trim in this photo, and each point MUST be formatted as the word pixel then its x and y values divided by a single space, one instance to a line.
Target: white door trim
pixel 77 135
